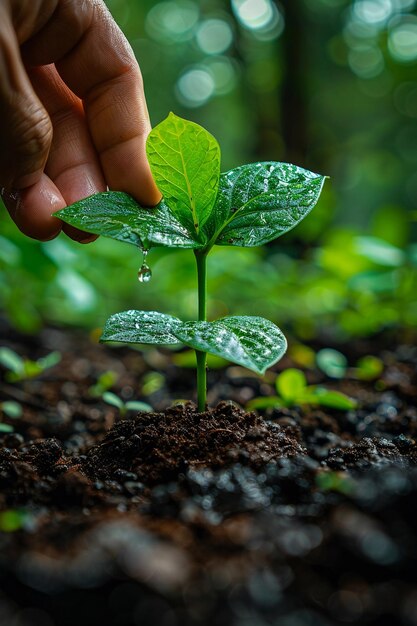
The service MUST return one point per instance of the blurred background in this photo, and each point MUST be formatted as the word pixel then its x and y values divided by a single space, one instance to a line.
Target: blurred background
pixel 330 85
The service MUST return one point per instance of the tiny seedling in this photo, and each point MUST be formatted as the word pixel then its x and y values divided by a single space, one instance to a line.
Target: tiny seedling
pixel 6 428
pixel 247 206
pixel 125 407
pixel 293 390
pixel 11 409
pixel 335 481
pixel 105 381
pixel 21 368
pixel 334 364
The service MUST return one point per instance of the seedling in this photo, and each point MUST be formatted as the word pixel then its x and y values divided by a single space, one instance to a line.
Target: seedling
pixel 247 206
pixel 125 407
pixel 105 381
pixel 22 369
pixel 12 520
pixel 6 428
pixel 335 481
pixel 334 364
pixel 293 390
pixel 11 409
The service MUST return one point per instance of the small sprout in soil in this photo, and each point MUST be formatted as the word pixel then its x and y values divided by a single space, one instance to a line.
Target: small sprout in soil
pixel 11 409
pixel 335 481
pixel 6 428
pixel 250 205
pixel 12 520
pixel 332 362
pixel 303 356
pixel 21 368
pixel 125 407
pixel 293 390
pixel 368 368
pixel 152 382
pixel 105 381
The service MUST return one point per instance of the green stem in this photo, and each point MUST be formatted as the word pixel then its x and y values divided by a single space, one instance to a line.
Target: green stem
pixel 201 258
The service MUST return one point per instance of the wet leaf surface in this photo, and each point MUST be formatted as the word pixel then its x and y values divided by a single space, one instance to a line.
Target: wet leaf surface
pixel 253 342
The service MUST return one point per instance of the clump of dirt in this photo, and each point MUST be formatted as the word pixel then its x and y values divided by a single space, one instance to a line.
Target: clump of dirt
pixel 374 452
pixel 160 446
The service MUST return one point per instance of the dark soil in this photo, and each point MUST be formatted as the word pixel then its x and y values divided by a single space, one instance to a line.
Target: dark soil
pixel 302 517
pixel 157 447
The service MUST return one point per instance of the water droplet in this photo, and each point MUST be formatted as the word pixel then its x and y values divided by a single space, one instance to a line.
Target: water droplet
pixel 144 274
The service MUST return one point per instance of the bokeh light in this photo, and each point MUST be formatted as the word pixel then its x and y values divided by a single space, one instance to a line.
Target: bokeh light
pixel 224 73
pixel 373 11
pixel 195 87
pixel 254 14
pixel 366 61
pixel 172 21
pixel 402 39
pixel 214 36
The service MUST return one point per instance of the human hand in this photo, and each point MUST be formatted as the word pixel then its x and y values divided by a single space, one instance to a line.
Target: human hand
pixel 73 115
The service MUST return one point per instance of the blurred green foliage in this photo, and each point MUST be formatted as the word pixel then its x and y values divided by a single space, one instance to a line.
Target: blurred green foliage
pixel 327 84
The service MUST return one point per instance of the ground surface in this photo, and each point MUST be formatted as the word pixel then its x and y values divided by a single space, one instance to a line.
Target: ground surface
pixel 304 518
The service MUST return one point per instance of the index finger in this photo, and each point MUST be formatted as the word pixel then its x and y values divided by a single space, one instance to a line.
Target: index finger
pixel 101 69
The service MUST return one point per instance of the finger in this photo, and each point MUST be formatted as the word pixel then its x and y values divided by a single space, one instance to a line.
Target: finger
pixel 73 164
pixel 31 209
pixel 103 72
pixel 25 127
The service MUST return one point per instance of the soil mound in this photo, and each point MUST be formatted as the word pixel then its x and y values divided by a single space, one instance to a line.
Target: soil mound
pixel 159 446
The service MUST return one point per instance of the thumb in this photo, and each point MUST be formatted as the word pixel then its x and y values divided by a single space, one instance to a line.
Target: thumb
pixel 25 127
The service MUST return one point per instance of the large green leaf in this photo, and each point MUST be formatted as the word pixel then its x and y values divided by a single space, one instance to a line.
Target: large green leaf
pixel 117 215
pixel 253 342
pixel 185 163
pixel 259 202
pixel 141 327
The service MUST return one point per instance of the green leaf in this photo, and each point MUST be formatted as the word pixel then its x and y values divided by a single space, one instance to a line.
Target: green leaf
pixel 141 327
pixel 291 384
pixel 50 360
pixel 335 481
pixel 113 400
pixel 12 361
pixel 259 202
pixel 137 405
pixel 265 402
pixel 12 520
pixel 369 368
pixel 105 381
pixel 32 369
pixel 332 362
pixel 11 409
pixel 333 399
pixel 253 342
pixel 379 251
pixel 6 428
pixel 185 163
pixel 117 215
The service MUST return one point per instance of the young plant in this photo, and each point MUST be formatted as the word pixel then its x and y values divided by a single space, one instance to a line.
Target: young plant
pixel 21 368
pixel 125 407
pixel 105 381
pixel 250 205
pixel 292 389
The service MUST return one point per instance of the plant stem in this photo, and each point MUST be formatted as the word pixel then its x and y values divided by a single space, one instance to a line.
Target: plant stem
pixel 201 258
